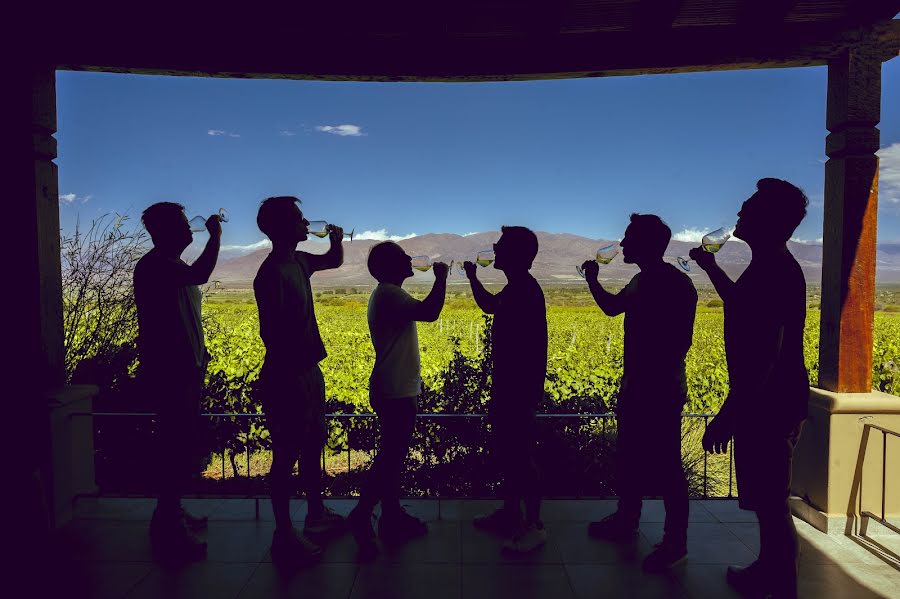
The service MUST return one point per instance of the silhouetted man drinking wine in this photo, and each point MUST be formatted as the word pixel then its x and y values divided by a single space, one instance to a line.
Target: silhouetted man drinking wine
pixel 291 385
pixel 765 314
pixel 519 338
pixel 173 361
pixel 659 304
pixel 394 387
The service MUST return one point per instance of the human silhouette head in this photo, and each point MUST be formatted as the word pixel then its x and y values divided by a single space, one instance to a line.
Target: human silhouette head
pixel 388 263
pixel 168 226
pixel 282 221
pixel 516 249
pixel 646 239
pixel 771 215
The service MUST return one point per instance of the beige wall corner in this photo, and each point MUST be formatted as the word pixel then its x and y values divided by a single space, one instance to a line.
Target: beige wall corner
pixel 839 462
pixel 72 451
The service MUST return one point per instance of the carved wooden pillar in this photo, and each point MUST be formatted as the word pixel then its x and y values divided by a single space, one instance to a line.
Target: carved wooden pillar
pixel 851 204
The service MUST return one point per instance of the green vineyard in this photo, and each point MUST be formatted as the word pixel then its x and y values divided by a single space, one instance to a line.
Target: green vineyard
pixel 449 455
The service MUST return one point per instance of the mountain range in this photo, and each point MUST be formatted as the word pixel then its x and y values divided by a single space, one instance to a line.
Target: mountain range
pixel 555 264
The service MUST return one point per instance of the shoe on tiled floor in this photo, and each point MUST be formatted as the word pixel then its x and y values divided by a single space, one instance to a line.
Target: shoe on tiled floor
pixel 326 525
pixel 360 523
pixel 173 541
pixel 194 523
pixel 501 521
pixel 397 527
pixel 528 538
pixel 664 557
pixel 750 581
pixel 289 546
pixel 613 528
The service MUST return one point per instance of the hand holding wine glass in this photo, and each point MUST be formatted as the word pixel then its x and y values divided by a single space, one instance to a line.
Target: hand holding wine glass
pixel 711 243
pixel 469 268
pixel 604 255
pixel 322 229
pixel 589 270
pixel 335 233
pixel 441 270
pixel 212 224
pixel 702 257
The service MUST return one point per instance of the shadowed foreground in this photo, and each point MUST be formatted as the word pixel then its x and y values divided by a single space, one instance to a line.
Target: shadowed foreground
pixel 106 553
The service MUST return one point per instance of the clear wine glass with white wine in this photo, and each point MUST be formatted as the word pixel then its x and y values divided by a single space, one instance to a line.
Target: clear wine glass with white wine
pixel 422 263
pixel 320 228
pixel 198 223
pixel 712 242
pixel 485 258
pixel 604 255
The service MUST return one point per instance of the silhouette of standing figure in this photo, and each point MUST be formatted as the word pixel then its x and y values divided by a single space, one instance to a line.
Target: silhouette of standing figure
pixel 520 365
pixel 659 304
pixel 393 390
pixel 291 385
pixel 765 314
pixel 173 361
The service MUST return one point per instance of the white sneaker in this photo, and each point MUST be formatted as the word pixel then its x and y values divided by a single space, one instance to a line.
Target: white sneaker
pixel 527 539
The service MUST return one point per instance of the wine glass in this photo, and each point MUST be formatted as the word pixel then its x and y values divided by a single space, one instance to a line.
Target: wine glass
pixel 422 263
pixel 485 258
pixel 320 228
pixel 712 242
pixel 198 223
pixel 604 255
pixel 458 264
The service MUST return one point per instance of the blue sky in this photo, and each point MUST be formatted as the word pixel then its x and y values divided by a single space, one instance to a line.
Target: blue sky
pixel 398 159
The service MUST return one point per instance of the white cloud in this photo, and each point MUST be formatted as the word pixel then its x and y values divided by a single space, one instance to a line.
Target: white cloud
pixel 382 235
pixel 221 133
pixel 71 198
pixel 469 234
pixel 250 247
pixel 817 241
pixel 342 130
pixel 286 133
pixel 889 175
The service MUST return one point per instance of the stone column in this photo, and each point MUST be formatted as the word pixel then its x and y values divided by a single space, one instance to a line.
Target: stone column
pixel 56 459
pixel 838 463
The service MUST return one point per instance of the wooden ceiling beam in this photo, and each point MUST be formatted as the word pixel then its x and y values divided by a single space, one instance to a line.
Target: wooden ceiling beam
pixel 468 58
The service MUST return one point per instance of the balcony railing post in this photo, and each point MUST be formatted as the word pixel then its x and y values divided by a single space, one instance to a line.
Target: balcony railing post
pixel 705 477
pixel 883 471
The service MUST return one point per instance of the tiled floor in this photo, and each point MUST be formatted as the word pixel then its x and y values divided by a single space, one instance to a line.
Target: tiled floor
pixel 106 553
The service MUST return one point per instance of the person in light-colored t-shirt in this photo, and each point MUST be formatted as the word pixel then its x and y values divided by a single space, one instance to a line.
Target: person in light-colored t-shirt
pixel 394 387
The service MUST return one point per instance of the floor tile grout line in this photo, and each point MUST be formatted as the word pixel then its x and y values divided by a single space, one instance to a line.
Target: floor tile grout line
pixel 139 581
pixel 249 578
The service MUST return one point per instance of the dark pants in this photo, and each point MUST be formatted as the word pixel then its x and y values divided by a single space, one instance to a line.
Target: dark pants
pixel 649 458
pixel 514 434
pixel 295 416
pixel 763 462
pixel 397 419
pixel 178 427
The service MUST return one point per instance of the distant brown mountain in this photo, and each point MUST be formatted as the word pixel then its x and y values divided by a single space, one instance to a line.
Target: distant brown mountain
pixel 555 264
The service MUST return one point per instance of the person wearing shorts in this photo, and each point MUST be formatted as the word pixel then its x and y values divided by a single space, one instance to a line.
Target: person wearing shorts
pixel 290 386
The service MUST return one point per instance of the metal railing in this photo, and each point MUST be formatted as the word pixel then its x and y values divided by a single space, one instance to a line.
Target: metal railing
pixel 865 513
pixel 347 419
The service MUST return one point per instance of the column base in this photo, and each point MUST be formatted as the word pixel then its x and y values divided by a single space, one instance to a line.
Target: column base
pixel 842 467
pixel 72 449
